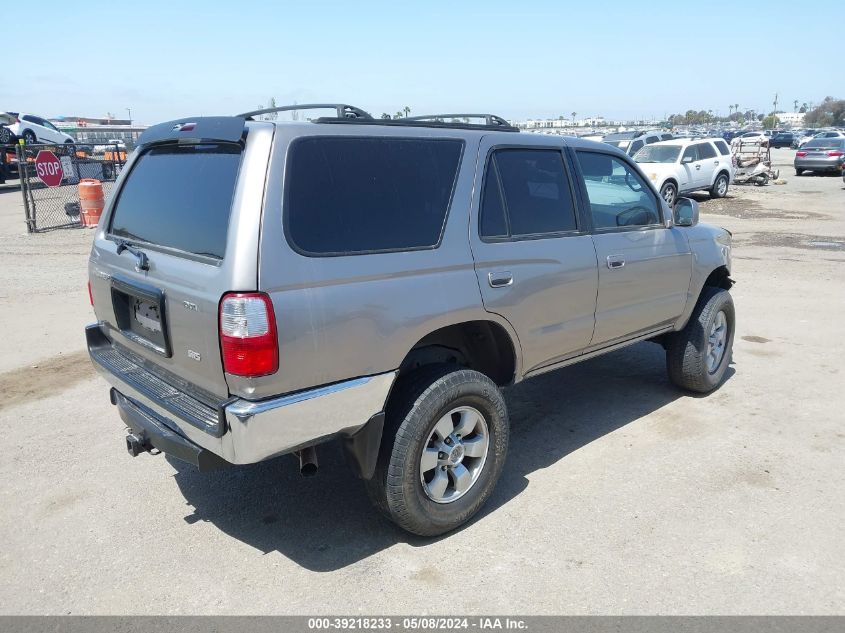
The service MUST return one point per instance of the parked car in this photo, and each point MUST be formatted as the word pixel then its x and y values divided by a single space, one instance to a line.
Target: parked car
pixel 821 134
pixel 7 137
pixel 751 137
pixel 820 155
pixel 34 129
pixel 109 146
pixel 783 139
pixel 682 166
pixel 366 311
pixel 632 142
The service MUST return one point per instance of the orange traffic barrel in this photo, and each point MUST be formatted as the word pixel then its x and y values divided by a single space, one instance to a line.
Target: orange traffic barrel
pixel 91 201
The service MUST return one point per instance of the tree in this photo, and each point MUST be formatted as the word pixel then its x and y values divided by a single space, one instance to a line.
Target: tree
pixel 406 110
pixel 829 112
pixel 574 114
pixel 385 115
pixel 795 106
pixel 803 108
pixel 272 116
pixel 770 121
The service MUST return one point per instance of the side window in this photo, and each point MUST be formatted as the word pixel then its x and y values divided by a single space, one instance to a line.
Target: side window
pixel 526 192
pixel 651 139
pixel 618 196
pixel 690 154
pixel 47 124
pixel 347 195
pixel 31 119
pixel 723 148
pixel 636 146
pixel 705 150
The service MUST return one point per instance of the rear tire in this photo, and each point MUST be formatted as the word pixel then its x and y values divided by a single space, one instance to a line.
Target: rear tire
pixel 428 406
pixel 698 356
pixel 720 187
pixel 798 172
pixel 29 137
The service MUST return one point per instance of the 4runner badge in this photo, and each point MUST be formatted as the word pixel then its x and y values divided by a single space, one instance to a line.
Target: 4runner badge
pixel 194 355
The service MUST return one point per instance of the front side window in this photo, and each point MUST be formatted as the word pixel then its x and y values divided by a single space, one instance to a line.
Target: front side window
pixel 618 195
pixel 348 195
pixel 690 154
pixel 526 192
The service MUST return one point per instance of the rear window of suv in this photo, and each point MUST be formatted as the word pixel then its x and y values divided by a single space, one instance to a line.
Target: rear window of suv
pixel 348 195
pixel 179 197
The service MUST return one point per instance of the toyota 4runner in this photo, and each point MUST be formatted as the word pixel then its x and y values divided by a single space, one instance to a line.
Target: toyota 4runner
pixel 263 287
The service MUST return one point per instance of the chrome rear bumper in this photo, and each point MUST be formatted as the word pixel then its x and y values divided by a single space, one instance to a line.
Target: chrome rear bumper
pixel 243 431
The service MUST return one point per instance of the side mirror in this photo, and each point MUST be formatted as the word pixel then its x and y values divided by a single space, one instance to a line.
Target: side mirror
pixel 685 212
pixel 686 159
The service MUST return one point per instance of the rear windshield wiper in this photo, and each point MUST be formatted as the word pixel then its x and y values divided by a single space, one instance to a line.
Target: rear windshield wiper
pixel 143 263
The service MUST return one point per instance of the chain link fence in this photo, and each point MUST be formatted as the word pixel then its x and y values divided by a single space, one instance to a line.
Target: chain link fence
pixel 58 207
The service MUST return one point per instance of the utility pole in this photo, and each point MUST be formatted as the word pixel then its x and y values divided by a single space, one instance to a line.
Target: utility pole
pixel 129 110
pixel 775 112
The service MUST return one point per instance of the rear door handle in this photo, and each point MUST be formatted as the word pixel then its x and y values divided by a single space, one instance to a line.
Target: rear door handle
pixel 615 261
pixel 698 166
pixel 500 279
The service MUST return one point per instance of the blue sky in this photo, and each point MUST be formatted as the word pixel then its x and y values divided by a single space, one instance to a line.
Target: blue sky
pixel 518 59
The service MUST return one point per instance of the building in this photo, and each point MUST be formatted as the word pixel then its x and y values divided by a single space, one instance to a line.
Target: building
pixel 795 119
pixel 91 129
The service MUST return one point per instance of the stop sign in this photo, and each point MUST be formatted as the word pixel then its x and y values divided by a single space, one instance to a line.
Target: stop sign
pixel 49 168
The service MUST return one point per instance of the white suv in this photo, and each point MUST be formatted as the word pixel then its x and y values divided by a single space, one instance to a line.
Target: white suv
pixel 34 129
pixel 682 165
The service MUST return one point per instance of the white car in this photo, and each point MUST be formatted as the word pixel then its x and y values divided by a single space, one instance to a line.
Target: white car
pixel 683 165
pixel 110 146
pixel 751 137
pixel 34 129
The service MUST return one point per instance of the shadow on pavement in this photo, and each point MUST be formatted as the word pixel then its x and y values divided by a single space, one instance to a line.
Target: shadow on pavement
pixel 326 522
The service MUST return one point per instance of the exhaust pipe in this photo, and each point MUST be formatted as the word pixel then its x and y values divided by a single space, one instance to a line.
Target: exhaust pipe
pixel 307 461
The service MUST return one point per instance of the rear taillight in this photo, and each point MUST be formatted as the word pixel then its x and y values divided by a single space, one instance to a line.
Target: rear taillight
pixel 90 294
pixel 800 153
pixel 835 153
pixel 248 334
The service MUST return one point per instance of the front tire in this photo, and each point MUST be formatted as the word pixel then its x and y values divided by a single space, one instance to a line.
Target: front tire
pixel 669 193
pixel 720 187
pixel 698 356
pixel 444 446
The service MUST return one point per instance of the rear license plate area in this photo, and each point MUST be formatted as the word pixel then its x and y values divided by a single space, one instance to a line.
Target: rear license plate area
pixel 140 314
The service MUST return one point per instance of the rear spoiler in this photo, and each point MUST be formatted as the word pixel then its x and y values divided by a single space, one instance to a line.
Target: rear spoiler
pixel 226 129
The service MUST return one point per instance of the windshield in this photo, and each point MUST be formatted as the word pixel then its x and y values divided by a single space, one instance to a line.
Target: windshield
pixel 658 154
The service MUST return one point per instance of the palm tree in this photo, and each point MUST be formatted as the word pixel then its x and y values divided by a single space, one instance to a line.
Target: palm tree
pixel 406 110
pixel 574 114
pixel 736 107
pixel 795 106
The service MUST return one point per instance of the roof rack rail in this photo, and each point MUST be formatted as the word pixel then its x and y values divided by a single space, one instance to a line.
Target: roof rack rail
pixel 490 120
pixel 344 110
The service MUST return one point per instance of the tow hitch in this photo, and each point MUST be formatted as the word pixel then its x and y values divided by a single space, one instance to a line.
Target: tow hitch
pixel 137 443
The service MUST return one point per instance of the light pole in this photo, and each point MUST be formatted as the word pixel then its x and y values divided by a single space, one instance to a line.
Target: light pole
pixel 129 110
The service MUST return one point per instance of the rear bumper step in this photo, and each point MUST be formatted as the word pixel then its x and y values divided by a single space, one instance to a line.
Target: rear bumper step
pixel 237 431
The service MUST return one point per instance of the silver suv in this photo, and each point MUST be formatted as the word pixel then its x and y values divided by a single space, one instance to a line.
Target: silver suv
pixel 263 287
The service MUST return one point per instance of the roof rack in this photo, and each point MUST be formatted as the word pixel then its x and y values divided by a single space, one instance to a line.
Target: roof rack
pixel 344 110
pixel 490 120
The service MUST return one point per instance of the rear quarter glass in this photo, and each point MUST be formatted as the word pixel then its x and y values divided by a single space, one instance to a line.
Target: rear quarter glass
pixel 352 195
pixel 179 197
